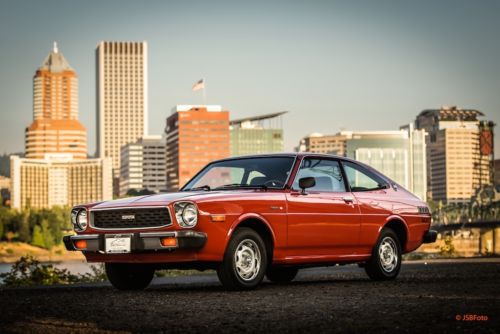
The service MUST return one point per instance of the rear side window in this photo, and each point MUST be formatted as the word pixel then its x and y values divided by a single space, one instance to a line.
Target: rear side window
pixel 362 179
pixel 327 174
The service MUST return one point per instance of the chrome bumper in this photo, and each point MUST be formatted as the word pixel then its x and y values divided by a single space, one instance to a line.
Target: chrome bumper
pixel 140 242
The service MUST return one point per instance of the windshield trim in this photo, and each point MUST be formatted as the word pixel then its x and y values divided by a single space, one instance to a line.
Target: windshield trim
pixel 285 186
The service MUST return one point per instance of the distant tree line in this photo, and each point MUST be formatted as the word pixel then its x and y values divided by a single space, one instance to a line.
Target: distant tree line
pixel 39 227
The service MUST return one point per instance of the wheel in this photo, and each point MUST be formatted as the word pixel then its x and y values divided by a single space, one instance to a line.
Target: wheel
pixel 385 262
pixel 125 276
pixel 281 274
pixel 245 261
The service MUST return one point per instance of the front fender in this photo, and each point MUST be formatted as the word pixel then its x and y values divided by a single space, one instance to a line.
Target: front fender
pixel 245 217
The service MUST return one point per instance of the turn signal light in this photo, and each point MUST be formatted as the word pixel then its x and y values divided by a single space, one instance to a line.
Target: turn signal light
pixel 218 218
pixel 81 244
pixel 169 242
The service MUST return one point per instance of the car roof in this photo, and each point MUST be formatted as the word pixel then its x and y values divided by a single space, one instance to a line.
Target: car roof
pixel 291 155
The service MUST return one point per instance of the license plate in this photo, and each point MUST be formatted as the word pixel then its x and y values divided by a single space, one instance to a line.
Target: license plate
pixel 118 244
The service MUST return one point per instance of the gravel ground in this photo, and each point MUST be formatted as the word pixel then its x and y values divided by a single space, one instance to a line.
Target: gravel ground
pixel 427 297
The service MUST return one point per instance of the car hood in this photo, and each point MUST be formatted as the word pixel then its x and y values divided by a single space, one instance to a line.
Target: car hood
pixel 157 199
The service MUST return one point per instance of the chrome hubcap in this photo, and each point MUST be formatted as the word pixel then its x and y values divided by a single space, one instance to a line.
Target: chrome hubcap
pixel 388 254
pixel 247 260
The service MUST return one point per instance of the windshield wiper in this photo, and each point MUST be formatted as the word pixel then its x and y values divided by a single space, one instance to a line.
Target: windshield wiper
pixel 239 185
pixel 205 187
pixel 378 187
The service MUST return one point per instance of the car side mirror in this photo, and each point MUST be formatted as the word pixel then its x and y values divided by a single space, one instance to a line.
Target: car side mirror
pixel 306 182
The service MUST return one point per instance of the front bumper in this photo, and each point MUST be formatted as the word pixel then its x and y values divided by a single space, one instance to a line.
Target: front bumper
pixel 430 236
pixel 140 242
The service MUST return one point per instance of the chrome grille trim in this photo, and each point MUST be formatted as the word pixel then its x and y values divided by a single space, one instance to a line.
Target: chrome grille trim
pixel 91 223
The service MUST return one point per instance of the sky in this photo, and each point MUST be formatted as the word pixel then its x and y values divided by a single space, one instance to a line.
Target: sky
pixel 353 65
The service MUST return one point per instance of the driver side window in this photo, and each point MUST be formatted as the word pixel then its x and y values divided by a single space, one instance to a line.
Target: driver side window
pixel 327 174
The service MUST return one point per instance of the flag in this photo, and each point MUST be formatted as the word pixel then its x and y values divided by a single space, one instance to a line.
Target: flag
pixel 199 85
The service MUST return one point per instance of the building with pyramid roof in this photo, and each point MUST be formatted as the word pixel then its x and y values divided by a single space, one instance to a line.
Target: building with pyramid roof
pixel 55 127
pixel 56 170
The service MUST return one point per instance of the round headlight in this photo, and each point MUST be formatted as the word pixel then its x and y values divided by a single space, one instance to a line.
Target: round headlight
pixel 74 212
pixel 189 215
pixel 81 219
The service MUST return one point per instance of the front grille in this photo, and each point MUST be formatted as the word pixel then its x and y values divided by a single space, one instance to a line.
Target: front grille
pixel 131 218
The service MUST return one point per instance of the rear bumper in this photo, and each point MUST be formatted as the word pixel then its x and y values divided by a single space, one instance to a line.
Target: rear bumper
pixel 430 236
pixel 140 242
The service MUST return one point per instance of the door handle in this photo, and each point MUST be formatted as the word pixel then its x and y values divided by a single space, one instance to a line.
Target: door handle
pixel 348 199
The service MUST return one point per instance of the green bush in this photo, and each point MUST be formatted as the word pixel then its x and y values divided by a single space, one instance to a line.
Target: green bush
pixel 37 238
pixel 29 271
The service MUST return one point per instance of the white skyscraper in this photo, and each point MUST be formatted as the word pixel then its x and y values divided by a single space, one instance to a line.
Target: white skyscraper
pixel 143 165
pixel 122 97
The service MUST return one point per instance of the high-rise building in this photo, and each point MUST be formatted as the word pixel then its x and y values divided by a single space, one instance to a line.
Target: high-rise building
pixel 459 153
pixel 196 135
pixel 122 97
pixel 143 165
pixel 55 127
pixel 418 160
pixel 4 182
pixel 56 170
pixel 324 144
pixel 497 174
pixel 59 180
pixel 397 154
pixel 4 190
pixel 255 135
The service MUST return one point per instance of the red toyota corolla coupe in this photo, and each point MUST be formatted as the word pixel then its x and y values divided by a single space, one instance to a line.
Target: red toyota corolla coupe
pixel 258 215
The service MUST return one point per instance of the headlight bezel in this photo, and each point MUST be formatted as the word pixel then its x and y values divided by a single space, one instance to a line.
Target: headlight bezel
pixel 186 207
pixel 76 215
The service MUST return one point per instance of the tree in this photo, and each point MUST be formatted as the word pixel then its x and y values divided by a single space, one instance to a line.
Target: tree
pixel 37 239
pixel 24 227
pixel 48 238
pixel 10 236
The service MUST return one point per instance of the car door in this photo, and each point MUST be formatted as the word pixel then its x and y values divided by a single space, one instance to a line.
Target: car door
pixel 371 192
pixel 325 219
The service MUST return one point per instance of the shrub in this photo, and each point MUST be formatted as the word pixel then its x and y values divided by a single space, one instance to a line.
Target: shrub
pixel 447 249
pixel 37 238
pixel 29 271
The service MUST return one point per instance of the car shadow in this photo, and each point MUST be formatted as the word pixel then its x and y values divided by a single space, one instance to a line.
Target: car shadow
pixel 216 287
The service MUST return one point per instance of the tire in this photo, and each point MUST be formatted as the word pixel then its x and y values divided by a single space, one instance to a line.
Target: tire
pixel 245 261
pixel 124 276
pixel 380 267
pixel 281 275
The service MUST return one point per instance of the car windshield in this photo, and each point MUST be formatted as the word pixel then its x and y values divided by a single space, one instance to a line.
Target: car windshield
pixel 261 172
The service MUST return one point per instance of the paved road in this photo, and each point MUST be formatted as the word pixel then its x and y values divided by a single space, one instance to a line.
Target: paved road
pixel 425 298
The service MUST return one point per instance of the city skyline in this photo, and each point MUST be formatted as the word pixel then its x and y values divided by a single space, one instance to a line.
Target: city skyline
pixel 383 63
